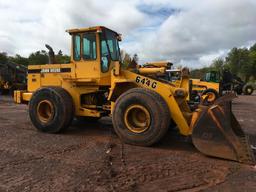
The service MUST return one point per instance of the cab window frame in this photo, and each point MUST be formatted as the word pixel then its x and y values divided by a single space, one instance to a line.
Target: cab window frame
pixel 74 47
pixel 102 38
pixel 82 47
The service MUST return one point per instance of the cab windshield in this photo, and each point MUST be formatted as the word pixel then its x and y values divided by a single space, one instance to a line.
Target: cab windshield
pixel 212 77
pixel 109 44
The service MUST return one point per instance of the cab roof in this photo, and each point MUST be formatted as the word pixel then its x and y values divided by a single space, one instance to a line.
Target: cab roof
pixel 88 29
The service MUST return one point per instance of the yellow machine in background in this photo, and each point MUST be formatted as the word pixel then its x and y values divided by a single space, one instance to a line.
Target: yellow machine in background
pixel 198 87
pixel 141 104
pixel 211 89
pixel 215 83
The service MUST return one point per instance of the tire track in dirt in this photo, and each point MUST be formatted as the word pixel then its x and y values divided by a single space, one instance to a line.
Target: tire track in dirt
pixel 112 174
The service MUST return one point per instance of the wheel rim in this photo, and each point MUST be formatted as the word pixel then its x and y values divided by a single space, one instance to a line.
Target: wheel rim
pixel 45 111
pixel 211 96
pixel 249 90
pixel 137 118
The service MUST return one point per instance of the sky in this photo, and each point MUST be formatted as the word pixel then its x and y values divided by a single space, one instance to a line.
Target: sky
pixel 188 33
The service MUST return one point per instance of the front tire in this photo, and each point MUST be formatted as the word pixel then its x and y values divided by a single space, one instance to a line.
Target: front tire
pixel 51 109
pixel 212 95
pixel 141 117
pixel 248 89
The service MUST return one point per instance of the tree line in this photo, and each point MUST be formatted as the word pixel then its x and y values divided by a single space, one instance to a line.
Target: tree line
pixel 41 57
pixel 239 61
pixel 38 57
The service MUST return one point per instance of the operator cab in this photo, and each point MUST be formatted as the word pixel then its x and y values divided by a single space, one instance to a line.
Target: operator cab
pixel 95 51
pixel 212 76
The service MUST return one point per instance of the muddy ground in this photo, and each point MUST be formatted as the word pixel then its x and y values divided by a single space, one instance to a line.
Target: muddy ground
pixel 91 158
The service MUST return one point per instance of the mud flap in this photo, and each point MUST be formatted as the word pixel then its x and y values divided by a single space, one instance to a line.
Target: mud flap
pixel 216 132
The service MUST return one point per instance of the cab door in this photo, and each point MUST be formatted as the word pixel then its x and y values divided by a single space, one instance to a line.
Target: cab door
pixel 86 56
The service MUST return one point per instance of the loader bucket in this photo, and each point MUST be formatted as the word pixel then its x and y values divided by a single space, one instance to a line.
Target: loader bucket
pixel 216 132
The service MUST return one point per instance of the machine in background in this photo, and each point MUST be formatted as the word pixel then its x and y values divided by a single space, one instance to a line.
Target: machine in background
pixel 13 76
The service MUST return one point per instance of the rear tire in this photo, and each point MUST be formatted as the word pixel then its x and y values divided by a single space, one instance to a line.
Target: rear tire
pixel 51 109
pixel 213 95
pixel 248 90
pixel 141 117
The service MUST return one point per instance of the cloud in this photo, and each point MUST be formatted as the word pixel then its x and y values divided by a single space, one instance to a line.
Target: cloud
pixel 190 33
pixel 205 29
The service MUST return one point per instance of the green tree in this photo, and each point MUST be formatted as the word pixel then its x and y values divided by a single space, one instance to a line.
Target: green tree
pixel 20 60
pixel 125 59
pixel 252 56
pixel 38 57
pixel 253 48
pixel 3 58
pixel 199 73
pixel 239 62
pixel 218 64
pixel 60 58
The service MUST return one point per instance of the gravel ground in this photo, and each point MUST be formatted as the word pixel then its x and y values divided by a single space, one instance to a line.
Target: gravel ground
pixel 90 157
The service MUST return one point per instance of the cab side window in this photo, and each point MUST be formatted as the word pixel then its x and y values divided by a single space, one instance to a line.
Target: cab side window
pixel 77 47
pixel 208 77
pixel 89 46
pixel 104 57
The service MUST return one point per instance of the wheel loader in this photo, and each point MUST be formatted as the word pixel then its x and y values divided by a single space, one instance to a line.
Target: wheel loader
pixel 214 84
pixel 141 105
pixel 210 89
pixel 12 76
pixel 200 88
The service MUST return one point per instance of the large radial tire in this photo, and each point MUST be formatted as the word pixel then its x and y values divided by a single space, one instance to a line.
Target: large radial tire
pixel 159 116
pixel 248 89
pixel 62 107
pixel 213 94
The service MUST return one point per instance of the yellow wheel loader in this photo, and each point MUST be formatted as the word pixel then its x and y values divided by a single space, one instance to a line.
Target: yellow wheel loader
pixel 141 104
pixel 210 89
pixel 199 87
pixel 214 84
